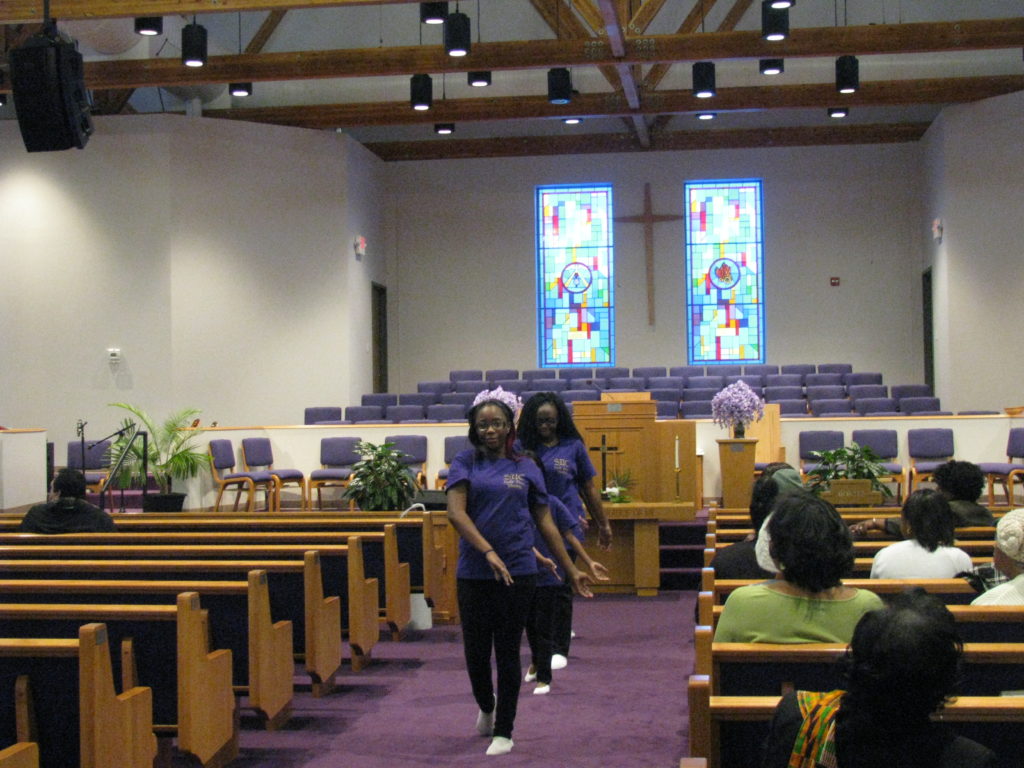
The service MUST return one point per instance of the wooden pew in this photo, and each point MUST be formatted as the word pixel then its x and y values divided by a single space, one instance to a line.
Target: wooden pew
pixel 380 553
pixel 239 616
pixel 69 707
pixel 25 754
pixel 192 696
pixel 967 534
pixel 740 723
pixel 297 592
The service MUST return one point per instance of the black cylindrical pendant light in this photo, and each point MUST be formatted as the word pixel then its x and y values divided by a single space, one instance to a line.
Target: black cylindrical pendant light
pixel 149 25
pixel 704 79
pixel 457 36
pixel 772 66
pixel 421 92
pixel 193 44
pixel 559 85
pixel 479 79
pixel 240 89
pixel 433 13
pixel 774 21
pixel 847 74
pixel 444 129
pixel 838 112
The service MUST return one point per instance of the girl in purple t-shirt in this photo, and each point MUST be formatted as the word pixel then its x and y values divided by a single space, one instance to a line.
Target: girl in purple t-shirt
pixel 495 498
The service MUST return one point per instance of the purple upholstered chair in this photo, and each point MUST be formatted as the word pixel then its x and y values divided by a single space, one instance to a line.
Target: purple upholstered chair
pixel 793 407
pixel 832 406
pixel 414 448
pixel 824 380
pixel 874 406
pixel 839 368
pixel 725 370
pixel 315 414
pixel 509 385
pixel 784 380
pixel 222 462
pixel 825 391
pixel 572 395
pixel 927 448
pixel 761 370
pixel 705 382
pixel 496 374
pixel 257 454
pixel 549 385
pixel 337 456
pixel 666 382
pixel 885 444
pixel 774 394
pixel 446 412
pixel 452 447
pixel 800 369
pixel 918 405
pixel 380 399
pixel 437 387
pixel 629 383
pixel 577 382
pixel 664 395
pixel 686 371
pixel 466 375
pixel 667 409
pixel 700 394
pixel 422 399
pixel 97 461
pixel 910 390
pixel 1009 472
pixel 610 373
pixel 859 391
pixel 537 373
pixel 754 381
pixel 472 386
pixel 648 371
pixel 695 409
pixel 465 399
pixel 398 413
pixel 816 440
pixel 575 373
pixel 851 379
pixel 363 414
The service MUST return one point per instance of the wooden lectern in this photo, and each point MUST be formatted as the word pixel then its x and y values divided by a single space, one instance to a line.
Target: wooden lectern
pixel 660 456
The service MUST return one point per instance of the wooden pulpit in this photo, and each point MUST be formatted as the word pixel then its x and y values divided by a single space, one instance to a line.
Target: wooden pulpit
pixel 622 436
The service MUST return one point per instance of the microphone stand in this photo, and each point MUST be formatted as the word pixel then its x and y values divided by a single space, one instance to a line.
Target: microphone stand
pixel 120 461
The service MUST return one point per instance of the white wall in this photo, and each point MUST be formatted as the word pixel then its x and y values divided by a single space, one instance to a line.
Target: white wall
pixel 464 242
pixel 217 255
pixel 975 171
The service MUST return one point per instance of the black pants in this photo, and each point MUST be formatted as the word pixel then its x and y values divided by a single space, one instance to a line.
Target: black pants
pixel 493 616
pixel 540 630
pixel 561 612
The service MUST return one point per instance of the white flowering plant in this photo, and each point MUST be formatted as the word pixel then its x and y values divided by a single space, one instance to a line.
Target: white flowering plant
pixel 511 399
pixel 736 406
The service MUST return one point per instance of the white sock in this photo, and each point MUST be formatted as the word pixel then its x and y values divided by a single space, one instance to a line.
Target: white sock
pixel 500 746
pixel 485 720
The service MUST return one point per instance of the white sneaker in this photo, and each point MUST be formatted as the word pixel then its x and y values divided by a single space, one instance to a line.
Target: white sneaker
pixel 500 746
pixel 531 675
pixel 485 720
pixel 558 661
pixel 541 689
pixel 572 634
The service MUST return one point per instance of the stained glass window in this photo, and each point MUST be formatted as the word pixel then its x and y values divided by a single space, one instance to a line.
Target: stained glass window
pixel 575 303
pixel 724 272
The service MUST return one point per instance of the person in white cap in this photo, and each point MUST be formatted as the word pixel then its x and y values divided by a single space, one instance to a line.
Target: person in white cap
pixel 1008 557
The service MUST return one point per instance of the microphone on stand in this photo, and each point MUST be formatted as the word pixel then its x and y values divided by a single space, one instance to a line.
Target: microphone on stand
pixel 80 427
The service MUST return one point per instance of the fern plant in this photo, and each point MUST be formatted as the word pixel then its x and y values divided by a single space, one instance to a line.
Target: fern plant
pixel 851 462
pixel 379 479
pixel 171 448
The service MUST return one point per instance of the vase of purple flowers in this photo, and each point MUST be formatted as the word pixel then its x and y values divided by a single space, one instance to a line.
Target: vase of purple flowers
pixel 735 407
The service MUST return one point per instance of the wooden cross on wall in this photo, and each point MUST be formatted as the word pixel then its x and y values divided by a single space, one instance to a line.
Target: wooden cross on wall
pixel 649 219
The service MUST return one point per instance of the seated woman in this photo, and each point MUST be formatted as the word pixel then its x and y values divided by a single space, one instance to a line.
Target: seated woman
pixel 811 549
pixel 1008 558
pixel 902 665
pixel 962 483
pixel 927 551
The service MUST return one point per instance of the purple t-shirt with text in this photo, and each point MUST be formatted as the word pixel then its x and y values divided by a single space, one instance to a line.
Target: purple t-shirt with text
pixel 499 496
pixel 566 468
pixel 565 522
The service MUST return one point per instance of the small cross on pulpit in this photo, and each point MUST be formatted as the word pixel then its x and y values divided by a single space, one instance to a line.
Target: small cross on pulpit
pixel 604 449
pixel 648 219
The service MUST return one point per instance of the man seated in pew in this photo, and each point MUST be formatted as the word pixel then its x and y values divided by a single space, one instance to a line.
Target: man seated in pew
pixel 739 560
pixel 962 483
pixel 1008 558
pixel 70 512
pixel 810 547
pixel 927 551
pixel 902 666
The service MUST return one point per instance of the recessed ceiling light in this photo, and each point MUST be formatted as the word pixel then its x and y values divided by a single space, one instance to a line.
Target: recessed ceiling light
pixel 838 112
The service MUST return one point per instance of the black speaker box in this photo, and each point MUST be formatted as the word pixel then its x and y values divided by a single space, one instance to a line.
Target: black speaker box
pixel 50 99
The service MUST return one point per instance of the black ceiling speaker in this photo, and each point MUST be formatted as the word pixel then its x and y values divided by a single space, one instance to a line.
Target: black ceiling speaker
pixel 50 99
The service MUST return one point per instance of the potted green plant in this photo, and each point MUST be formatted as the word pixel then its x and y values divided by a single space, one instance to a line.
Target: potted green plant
pixel 850 475
pixel 619 487
pixel 380 480
pixel 172 454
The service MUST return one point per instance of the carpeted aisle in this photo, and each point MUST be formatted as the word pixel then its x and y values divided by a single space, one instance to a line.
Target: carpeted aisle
pixel 620 703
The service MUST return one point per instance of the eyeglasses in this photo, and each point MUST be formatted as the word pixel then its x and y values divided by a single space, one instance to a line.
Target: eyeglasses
pixel 547 420
pixel 483 426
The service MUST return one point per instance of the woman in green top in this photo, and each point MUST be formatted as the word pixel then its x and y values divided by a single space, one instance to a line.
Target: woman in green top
pixel 812 551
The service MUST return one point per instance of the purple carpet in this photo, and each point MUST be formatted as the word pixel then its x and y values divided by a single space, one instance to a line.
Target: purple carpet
pixel 621 701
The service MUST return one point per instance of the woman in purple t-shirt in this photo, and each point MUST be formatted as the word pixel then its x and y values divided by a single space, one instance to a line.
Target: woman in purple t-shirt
pixel 495 499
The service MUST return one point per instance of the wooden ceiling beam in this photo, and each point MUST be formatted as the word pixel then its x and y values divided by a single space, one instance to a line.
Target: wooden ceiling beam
pixel 617 42
pixel 67 10
pixel 267 28
pixel 898 92
pixel 543 54
pixel 511 146
pixel 644 15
